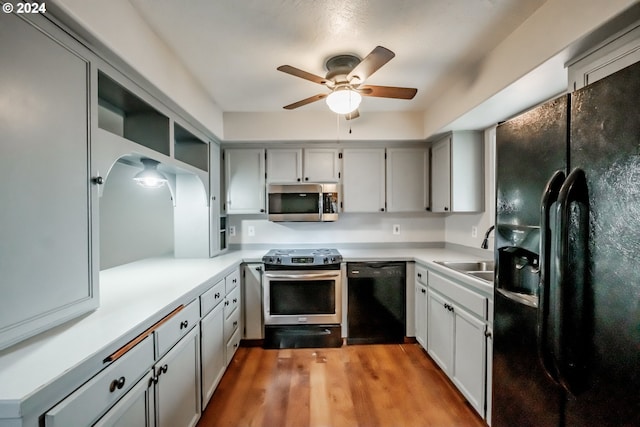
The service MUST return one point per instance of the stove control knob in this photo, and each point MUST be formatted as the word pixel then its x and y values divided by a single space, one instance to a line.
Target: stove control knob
pixel 278 260
pixel 333 259
pixel 326 260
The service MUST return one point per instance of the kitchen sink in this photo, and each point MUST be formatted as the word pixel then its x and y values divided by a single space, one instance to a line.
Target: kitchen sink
pixel 479 269
pixel 484 275
pixel 481 266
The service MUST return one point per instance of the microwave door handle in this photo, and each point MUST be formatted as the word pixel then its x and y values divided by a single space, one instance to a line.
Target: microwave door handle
pixel 302 276
pixel 549 197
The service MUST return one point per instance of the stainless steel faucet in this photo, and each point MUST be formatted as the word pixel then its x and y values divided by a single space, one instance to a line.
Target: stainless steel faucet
pixel 485 242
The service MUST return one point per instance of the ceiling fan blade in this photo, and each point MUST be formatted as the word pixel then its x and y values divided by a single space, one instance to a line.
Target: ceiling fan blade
pixel 352 115
pixel 370 64
pixel 305 101
pixel 388 91
pixel 302 74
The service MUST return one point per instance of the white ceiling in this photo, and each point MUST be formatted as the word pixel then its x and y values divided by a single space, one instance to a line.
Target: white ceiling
pixel 233 47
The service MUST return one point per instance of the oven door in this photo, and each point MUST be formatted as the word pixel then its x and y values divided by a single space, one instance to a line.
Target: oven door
pixel 296 297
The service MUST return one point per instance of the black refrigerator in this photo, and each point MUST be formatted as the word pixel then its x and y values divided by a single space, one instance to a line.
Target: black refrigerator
pixel 567 249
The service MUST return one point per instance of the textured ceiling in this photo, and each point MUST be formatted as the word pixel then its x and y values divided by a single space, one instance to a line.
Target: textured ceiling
pixel 233 47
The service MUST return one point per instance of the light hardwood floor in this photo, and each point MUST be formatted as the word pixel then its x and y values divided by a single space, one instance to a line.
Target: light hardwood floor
pixel 391 385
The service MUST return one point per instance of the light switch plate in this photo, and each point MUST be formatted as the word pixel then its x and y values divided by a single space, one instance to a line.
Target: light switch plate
pixel 251 231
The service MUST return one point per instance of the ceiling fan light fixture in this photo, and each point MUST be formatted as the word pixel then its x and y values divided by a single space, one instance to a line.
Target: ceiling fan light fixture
pixel 344 100
pixel 150 177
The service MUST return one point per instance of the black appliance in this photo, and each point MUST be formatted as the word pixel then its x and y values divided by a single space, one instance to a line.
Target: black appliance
pixel 566 346
pixel 302 298
pixel 376 302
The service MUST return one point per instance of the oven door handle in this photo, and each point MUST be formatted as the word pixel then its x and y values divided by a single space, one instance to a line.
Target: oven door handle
pixel 303 276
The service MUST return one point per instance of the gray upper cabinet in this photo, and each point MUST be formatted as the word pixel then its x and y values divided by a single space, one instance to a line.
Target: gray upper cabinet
pixel 48 267
pixel 407 179
pixel 245 180
pixel 457 168
pixel 291 165
pixel 363 180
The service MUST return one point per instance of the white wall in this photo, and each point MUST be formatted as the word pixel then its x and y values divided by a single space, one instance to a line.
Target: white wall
pixel 135 222
pixel 350 228
pixel 316 125
pixel 549 31
pixel 458 226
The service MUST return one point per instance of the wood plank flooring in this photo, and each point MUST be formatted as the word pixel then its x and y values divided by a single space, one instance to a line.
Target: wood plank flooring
pixel 387 385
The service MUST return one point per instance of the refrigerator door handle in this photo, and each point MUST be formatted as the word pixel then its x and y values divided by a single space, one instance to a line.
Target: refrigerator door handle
pixel 549 197
pixel 571 340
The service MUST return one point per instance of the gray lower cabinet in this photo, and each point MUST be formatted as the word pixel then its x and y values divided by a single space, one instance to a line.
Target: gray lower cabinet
pixel 134 409
pixel 177 388
pixel 252 301
pixel 232 315
pixel 47 211
pixel 421 306
pixel 456 335
pixel 213 351
pixel 87 404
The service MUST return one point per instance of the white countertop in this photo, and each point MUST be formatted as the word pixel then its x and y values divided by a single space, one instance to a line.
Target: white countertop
pixel 132 298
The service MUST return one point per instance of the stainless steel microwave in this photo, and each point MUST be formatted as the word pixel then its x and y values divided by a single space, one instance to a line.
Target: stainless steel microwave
pixel 303 202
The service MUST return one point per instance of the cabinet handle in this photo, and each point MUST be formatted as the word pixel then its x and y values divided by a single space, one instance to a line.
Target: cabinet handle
pixel 163 369
pixel 235 323
pixel 428 208
pixel 419 275
pixel 217 295
pixel 152 381
pixel 235 345
pixel 306 178
pixel 487 334
pixel 117 384
pixel 98 180
pixel 262 210
pixel 184 325
pixel 298 179
pixel 381 209
pixel 226 302
pixel 423 291
pixel 235 300
pixel 446 208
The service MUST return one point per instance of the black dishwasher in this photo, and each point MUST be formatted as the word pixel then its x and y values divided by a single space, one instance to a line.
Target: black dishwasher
pixel 376 302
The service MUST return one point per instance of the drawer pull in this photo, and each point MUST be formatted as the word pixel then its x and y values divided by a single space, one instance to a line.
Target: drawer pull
pixel 226 302
pixel 235 323
pixel 235 300
pixel 117 384
pixel 184 324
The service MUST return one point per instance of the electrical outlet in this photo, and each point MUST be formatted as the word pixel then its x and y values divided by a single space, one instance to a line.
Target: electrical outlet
pixel 251 231
pixel 232 230
pixel 474 231
pixel 396 228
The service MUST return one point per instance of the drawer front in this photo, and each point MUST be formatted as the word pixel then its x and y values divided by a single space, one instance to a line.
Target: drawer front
pixel 231 325
pixel 232 280
pixel 461 296
pixel 175 328
pixel 93 399
pixel 232 346
pixel 232 302
pixel 212 298
pixel 421 275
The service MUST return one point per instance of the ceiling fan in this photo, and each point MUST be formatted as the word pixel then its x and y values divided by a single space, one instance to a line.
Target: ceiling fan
pixel 345 77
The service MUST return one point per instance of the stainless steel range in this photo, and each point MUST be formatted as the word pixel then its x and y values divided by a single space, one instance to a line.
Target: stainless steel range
pixel 302 298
